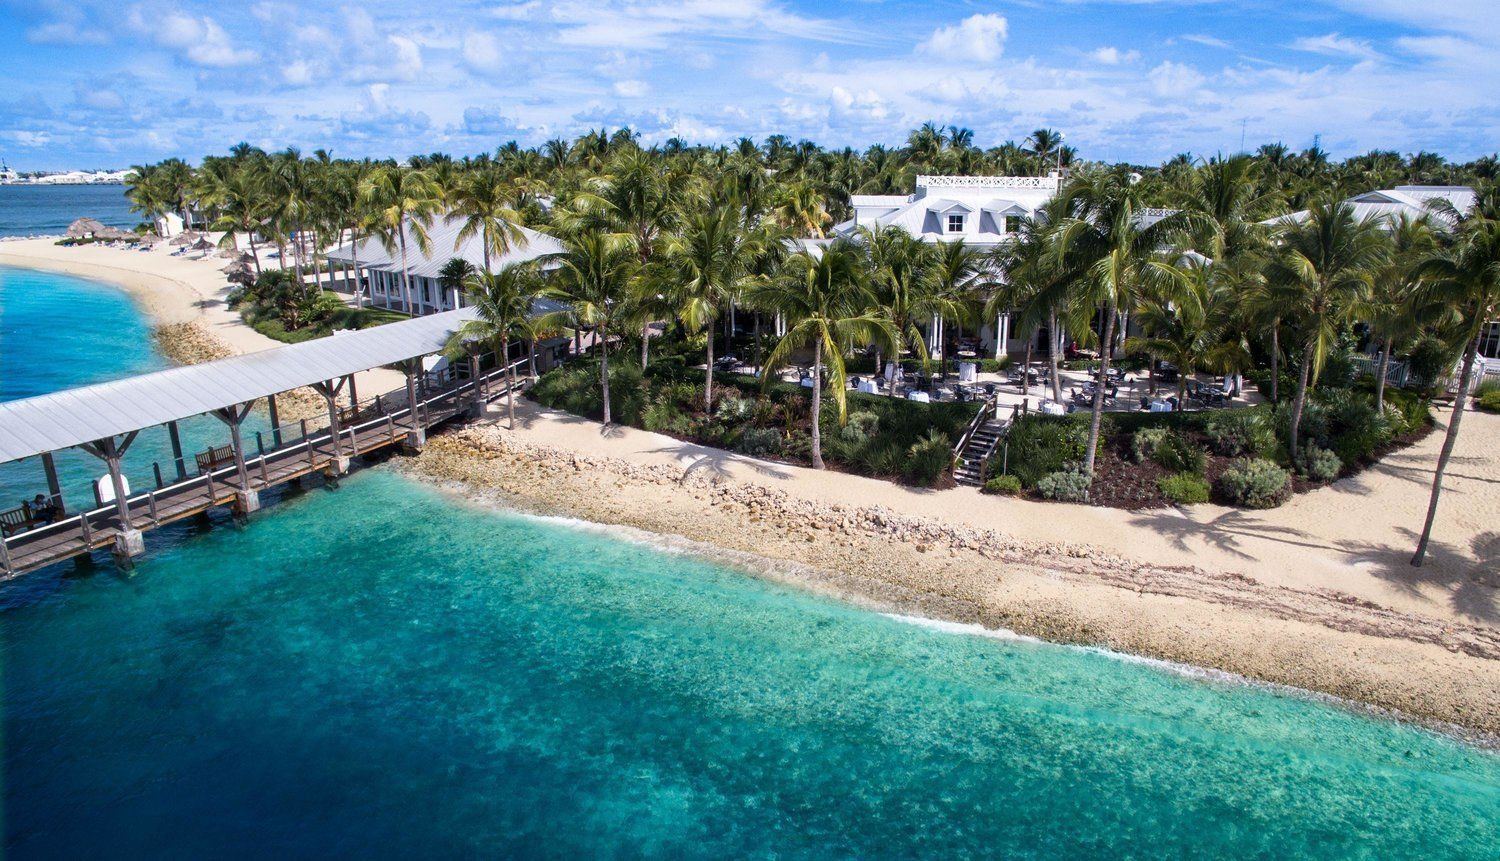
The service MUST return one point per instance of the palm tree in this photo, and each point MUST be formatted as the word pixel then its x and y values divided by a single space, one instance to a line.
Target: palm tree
pixel 1464 280
pixel 826 303
pixel 958 276
pixel 484 200
pixel 1320 271
pixel 711 257
pixel 1187 321
pixel 402 200
pixel 897 263
pixel 503 309
pixel 1113 249
pixel 1394 307
pixel 593 275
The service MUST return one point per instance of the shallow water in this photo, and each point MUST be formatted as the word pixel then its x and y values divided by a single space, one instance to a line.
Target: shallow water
pixel 60 331
pixel 383 670
pixel 380 670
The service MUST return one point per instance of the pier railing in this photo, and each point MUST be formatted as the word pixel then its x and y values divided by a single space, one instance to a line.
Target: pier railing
pixel 295 449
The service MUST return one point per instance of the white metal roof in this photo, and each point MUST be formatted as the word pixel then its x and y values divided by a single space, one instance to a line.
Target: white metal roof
pixel 442 246
pixel 71 417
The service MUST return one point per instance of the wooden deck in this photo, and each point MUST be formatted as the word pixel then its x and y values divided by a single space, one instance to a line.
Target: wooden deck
pixel 385 422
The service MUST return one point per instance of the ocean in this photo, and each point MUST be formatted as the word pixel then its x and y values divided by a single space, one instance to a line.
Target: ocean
pixel 388 670
pixel 27 210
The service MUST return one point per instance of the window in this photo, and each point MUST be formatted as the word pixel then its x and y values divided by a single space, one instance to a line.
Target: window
pixel 1489 340
pixel 1012 223
pixel 955 224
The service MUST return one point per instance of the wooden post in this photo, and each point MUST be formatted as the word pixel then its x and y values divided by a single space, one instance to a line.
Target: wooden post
pixel 353 397
pixel 233 416
pixel 379 406
pixel 156 468
pixel 177 450
pixel 53 488
pixel 411 394
pixel 260 444
pixel 88 532
pixel 474 380
pixel 275 421
pixel 151 505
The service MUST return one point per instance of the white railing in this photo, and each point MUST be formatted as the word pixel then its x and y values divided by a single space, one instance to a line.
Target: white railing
pixel 1040 183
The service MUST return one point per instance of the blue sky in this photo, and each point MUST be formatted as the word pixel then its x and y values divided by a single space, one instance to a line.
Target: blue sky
pixel 105 84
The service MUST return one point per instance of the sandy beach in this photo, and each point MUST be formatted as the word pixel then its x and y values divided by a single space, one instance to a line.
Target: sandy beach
pixel 1316 594
pixel 183 296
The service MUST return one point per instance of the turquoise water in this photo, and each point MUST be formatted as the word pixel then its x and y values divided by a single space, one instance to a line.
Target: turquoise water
pixel 28 210
pixel 60 331
pixel 382 670
pixel 379 671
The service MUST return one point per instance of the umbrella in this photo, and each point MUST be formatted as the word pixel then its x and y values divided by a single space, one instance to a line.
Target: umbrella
pixel 201 245
pixel 147 239
pixel 235 266
pixel 85 227
pixel 114 233
pixel 186 237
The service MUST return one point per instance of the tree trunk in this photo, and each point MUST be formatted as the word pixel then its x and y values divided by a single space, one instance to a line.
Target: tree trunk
pixel 604 375
pixel 1054 345
pixel 510 381
pixel 1381 370
pixel 1448 441
pixel 358 291
pixel 817 405
pixel 1026 368
pixel 1276 362
pixel 531 357
pixel 1109 334
pixel 254 255
pixel 708 374
pixel 405 276
pixel 1301 399
pixel 645 344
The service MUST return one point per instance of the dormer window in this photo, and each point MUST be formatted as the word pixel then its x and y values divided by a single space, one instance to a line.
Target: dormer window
pixel 1012 223
pixel 955 223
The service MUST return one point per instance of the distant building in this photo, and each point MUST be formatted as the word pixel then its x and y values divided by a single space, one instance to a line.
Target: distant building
pixel 381 269
pixel 1412 201
pixel 983 211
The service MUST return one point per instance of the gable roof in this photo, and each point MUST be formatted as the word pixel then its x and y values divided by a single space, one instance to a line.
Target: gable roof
pixel 443 245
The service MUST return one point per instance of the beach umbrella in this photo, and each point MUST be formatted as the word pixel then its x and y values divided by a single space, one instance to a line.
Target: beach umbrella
pixel 114 233
pixel 84 227
pixel 201 245
pixel 235 265
pixel 147 240
pixel 186 237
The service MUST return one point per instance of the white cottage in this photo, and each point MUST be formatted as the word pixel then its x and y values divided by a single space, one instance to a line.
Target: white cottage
pixel 983 211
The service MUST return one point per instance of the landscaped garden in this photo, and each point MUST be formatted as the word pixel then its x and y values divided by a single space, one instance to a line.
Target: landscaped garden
pixel 1232 456
pixel 888 438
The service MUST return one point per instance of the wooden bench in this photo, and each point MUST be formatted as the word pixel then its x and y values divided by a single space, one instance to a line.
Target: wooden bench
pixel 16 520
pixel 214 458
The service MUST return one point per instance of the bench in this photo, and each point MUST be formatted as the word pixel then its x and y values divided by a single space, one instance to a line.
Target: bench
pixel 214 458
pixel 16 520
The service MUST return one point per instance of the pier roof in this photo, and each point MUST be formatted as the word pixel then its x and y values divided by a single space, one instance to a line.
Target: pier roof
pixel 32 426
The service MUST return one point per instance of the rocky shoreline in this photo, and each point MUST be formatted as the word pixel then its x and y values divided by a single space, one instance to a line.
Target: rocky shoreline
pixel 1314 639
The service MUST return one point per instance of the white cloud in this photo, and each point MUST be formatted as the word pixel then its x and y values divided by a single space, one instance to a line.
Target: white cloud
pixel 631 89
pixel 67 33
pixel 200 40
pixel 407 62
pixel 1205 39
pixel 1174 79
pixel 1335 45
pixel 515 11
pixel 481 51
pixel 977 37
pixel 1111 56
pixel 297 73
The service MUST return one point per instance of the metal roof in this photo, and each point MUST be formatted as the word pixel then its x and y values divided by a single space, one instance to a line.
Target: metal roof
pixel 443 245
pixel 71 417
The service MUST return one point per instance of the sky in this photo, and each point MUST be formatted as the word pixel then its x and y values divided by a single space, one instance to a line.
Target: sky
pixel 95 84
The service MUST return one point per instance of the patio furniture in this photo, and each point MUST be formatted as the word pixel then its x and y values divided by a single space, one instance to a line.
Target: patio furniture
pixel 919 397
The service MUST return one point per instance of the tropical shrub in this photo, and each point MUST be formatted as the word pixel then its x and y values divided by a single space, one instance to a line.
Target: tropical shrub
pixel 1428 360
pixel 1489 402
pixel 1180 454
pixel 1320 464
pixel 1239 433
pixel 1039 445
pixel 760 442
pixel 1254 483
pixel 1145 442
pixel 1070 485
pixel 1004 485
pixel 929 459
pixel 860 427
pixel 1184 488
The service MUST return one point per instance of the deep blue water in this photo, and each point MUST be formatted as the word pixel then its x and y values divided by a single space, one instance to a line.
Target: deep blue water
pixel 27 210
pixel 382 670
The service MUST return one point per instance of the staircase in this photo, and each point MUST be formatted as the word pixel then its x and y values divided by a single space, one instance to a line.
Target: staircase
pixel 980 445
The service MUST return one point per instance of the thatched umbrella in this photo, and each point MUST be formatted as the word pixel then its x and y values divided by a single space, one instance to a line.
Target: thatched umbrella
pixel 146 240
pixel 85 227
pixel 186 237
pixel 239 273
pixel 202 245
pixel 113 233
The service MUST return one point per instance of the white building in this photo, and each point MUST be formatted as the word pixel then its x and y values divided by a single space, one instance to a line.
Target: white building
pixel 1412 201
pixel 981 210
pixel 380 269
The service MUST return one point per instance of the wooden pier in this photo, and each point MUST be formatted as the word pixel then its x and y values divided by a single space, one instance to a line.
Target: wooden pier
pixel 105 419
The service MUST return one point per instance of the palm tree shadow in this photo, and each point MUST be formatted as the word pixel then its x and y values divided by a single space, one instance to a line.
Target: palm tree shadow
pixel 717 463
pixel 1223 532
pixel 1471 579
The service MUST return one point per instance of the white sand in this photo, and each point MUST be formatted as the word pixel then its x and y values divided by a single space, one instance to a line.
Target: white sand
pixel 169 289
